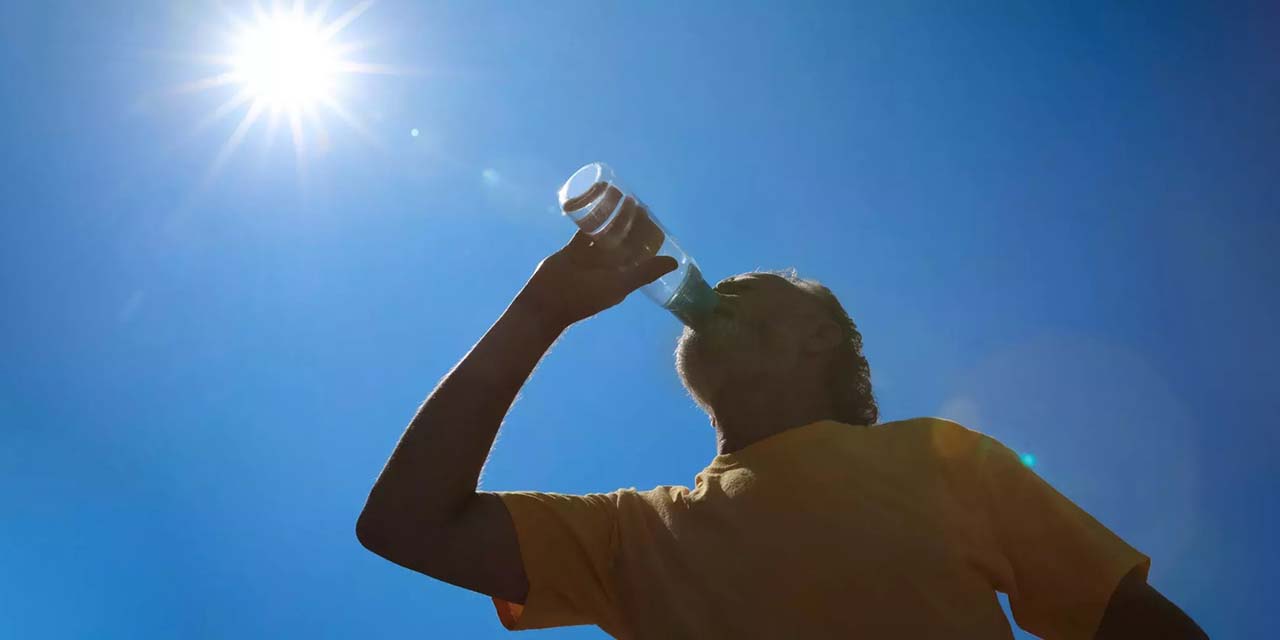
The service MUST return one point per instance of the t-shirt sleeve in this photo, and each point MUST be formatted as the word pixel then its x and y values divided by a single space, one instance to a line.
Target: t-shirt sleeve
pixel 567 544
pixel 1062 564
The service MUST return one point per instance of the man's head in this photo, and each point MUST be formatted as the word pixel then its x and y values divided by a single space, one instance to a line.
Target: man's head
pixel 771 330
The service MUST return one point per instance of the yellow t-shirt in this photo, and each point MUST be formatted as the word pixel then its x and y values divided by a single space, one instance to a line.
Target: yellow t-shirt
pixel 901 530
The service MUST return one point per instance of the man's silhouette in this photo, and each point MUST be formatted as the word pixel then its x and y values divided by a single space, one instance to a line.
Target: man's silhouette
pixel 813 521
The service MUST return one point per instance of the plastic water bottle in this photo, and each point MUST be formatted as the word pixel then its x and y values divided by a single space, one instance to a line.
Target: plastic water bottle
pixel 622 225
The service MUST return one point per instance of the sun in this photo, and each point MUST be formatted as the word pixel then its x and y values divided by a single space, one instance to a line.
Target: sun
pixel 285 65
pixel 285 60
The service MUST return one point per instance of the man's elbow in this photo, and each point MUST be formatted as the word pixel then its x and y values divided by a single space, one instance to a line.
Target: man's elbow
pixel 371 531
pixel 396 535
pixel 379 526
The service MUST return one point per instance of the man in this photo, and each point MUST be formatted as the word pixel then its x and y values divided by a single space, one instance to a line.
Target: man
pixel 812 522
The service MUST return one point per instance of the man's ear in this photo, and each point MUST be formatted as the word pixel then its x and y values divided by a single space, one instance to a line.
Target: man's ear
pixel 824 335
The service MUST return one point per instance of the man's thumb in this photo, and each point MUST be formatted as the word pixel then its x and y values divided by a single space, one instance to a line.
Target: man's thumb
pixel 652 269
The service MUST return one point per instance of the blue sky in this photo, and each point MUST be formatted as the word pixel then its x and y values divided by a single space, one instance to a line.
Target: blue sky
pixel 1051 224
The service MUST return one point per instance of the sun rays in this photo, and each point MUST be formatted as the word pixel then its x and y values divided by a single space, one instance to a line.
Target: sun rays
pixel 285 66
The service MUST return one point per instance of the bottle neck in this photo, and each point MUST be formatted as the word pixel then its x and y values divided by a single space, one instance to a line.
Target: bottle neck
pixel 694 301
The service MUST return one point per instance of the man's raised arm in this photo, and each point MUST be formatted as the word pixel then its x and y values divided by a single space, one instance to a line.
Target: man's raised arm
pixel 1138 611
pixel 424 512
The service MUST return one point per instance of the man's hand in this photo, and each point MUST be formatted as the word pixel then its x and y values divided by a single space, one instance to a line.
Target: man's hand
pixel 583 279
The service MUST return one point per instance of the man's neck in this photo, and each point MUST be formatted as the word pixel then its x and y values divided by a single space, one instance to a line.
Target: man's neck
pixel 751 415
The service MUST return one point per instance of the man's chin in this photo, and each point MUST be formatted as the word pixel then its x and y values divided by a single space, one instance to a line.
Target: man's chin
pixel 699 345
pixel 712 327
pixel 695 354
pixel 698 384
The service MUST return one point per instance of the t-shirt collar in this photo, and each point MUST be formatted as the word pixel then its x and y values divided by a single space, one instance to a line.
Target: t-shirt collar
pixel 763 447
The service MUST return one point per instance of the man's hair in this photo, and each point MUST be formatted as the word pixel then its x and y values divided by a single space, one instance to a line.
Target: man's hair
pixel 849 375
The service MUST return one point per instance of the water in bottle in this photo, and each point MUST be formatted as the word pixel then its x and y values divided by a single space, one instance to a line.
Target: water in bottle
pixel 621 224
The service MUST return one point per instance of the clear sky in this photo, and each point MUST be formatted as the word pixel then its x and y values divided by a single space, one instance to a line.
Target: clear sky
pixel 1053 225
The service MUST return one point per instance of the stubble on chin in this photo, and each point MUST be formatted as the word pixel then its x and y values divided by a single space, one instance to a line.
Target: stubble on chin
pixel 693 366
pixel 706 360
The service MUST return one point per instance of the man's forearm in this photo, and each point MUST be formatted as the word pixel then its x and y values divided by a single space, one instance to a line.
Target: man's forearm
pixel 435 468
pixel 1138 611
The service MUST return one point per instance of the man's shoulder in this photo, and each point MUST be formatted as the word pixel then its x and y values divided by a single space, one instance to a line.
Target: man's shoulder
pixel 661 496
pixel 943 437
pixel 927 424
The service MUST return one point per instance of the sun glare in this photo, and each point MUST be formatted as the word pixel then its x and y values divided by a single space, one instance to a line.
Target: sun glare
pixel 285 61
pixel 285 66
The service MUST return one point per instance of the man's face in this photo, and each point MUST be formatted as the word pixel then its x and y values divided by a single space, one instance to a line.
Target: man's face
pixel 755 333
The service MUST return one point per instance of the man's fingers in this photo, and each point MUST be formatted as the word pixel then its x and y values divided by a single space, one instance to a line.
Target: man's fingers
pixel 586 252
